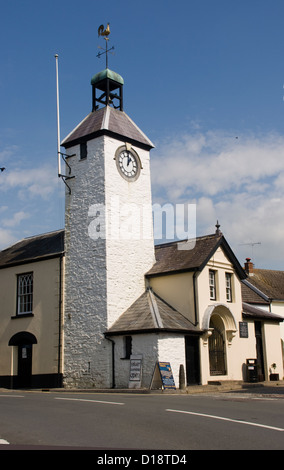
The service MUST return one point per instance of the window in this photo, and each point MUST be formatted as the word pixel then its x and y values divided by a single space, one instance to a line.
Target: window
pixel 229 287
pixel 212 285
pixel 25 294
pixel 127 347
pixel 83 150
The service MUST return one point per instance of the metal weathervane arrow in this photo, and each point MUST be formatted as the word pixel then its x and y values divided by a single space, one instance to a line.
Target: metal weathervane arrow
pixel 104 32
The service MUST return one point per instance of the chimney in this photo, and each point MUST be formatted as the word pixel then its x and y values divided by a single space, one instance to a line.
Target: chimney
pixel 249 266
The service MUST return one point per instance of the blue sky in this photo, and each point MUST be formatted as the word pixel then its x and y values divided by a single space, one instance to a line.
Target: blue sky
pixel 203 79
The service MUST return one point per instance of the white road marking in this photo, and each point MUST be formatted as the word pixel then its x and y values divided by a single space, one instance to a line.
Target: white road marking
pixel 228 419
pixel 2 441
pixel 92 401
pixel 13 396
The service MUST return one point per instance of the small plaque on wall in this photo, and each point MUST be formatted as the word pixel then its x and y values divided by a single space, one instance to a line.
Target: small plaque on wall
pixel 135 374
pixel 243 329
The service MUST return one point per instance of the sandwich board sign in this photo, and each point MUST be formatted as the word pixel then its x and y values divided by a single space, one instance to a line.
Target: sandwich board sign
pixel 163 377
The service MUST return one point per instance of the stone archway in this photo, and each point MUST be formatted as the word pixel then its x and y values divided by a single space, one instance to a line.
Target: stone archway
pixel 230 324
pixel 217 346
pixel 219 327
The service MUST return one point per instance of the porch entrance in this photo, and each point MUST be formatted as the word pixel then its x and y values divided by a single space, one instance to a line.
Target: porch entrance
pixel 216 344
pixel 24 342
pixel 24 365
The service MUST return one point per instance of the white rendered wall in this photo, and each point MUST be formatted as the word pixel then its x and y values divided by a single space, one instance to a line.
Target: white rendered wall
pixel 153 348
pixel 85 361
pixel 129 244
pixel 104 273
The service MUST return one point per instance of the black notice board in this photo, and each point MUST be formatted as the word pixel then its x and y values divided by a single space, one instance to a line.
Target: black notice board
pixel 243 329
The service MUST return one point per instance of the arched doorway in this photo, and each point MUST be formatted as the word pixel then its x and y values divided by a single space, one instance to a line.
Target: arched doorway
pixel 217 349
pixel 24 342
pixel 219 327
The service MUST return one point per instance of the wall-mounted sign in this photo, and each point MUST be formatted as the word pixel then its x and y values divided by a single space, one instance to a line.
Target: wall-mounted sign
pixel 243 329
pixel 135 373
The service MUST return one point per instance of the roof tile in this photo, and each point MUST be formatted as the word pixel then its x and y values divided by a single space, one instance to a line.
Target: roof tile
pixel 107 119
pixel 33 249
pixel 140 317
pixel 270 282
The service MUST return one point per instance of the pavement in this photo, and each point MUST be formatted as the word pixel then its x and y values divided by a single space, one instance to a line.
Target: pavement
pixel 267 387
pixel 264 388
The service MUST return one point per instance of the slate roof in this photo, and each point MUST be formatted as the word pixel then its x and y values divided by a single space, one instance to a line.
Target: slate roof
pixel 270 284
pixel 252 295
pixel 37 248
pixel 150 313
pixel 170 258
pixel 250 311
pixel 107 120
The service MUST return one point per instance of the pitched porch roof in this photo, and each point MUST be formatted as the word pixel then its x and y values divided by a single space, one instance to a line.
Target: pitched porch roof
pixel 149 313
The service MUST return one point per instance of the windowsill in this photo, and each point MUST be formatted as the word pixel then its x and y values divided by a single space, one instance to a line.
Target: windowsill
pixel 22 315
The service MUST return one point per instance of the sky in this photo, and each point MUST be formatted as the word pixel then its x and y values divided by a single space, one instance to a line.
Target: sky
pixel 203 80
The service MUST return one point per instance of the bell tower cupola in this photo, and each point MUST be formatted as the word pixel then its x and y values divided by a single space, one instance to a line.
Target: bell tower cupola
pixel 107 90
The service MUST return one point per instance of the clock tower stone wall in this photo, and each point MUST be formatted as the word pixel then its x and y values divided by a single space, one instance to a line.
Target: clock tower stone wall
pixel 108 248
pixel 85 360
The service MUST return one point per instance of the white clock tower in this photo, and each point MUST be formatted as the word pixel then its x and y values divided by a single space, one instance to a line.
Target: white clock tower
pixel 108 230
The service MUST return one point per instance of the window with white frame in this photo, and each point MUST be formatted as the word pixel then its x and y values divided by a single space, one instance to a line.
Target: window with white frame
pixel 25 294
pixel 229 287
pixel 212 284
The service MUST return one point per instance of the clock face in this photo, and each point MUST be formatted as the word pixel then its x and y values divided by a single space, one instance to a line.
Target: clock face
pixel 128 164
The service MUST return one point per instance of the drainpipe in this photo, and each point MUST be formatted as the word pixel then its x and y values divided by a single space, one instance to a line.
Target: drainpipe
pixel 60 321
pixel 195 299
pixel 112 358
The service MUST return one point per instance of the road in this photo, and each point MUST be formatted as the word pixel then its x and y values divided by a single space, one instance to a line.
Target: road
pixel 117 421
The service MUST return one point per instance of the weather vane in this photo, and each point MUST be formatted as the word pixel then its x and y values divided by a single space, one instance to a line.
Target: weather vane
pixel 104 33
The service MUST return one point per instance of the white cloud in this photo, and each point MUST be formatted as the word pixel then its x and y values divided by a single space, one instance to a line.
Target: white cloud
pixel 238 180
pixel 7 153
pixel 212 163
pixel 32 182
pixel 16 219
pixel 6 238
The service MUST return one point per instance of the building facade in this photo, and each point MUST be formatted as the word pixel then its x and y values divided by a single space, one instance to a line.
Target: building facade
pixel 98 305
